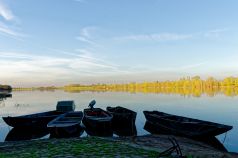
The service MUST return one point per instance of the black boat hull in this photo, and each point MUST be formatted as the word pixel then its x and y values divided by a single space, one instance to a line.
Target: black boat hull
pixel 123 121
pixel 188 127
pixel 98 125
pixel 66 125
pixel 122 116
pixel 39 120
pixel 66 132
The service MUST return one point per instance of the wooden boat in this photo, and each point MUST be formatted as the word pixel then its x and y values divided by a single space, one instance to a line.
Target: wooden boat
pixel 123 121
pixel 188 127
pixel 66 125
pixel 97 122
pixel 26 133
pixel 39 120
pixel 32 120
pixel 122 115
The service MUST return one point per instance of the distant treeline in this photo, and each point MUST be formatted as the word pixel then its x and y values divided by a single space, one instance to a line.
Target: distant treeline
pixel 194 86
pixel 48 88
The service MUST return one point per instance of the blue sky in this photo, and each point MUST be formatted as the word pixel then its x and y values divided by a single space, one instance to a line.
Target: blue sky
pixel 89 41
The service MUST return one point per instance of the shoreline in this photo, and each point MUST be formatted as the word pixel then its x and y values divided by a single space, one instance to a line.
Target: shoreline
pixel 140 146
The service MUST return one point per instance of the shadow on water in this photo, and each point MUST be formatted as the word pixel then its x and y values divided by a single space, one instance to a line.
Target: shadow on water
pixel 125 130
pixel 119 131
pixel 27 133
pixel 4 94
pixel 18 134
pixel 63 134
pixel 99 132
pixel 211 141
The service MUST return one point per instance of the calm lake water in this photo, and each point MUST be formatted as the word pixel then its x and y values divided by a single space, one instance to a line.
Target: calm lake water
pixel 220 108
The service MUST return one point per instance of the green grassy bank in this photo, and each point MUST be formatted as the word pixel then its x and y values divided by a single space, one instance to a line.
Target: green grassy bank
pixel 84 147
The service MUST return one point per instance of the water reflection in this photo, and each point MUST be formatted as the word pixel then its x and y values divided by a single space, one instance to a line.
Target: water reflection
pixel 195 91
pixel 191 90
pixel 2 103
pixel 4 94
pixel 18 105
pixel 99 132
pixel 219 109
pixel 16 134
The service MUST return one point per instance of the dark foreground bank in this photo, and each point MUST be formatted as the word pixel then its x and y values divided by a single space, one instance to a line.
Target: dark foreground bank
pixel 142 146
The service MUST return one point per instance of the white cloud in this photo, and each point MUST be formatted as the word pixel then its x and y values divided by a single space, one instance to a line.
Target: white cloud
pixel 216 33
pixel 80 1
pixel 87 35
pixel 156 37
pixel 87 57
pixel 8 26
pixel 171 36
pixel 25 66
pixel 86 40
pixel 6 30
pixel 5 12
pixel 87 31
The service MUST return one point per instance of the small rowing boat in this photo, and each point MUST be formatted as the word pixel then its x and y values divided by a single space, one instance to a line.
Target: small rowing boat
pixel 98 121
pixel 123 121
pixel 184 126
pixel 66 125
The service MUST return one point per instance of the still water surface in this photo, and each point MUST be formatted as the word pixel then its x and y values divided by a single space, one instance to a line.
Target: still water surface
pixel 220 108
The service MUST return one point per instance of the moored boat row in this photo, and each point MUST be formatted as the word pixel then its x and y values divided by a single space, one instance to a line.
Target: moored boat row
pixel 65 122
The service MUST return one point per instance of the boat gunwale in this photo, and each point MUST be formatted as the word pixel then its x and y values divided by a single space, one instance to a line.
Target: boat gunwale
pixel 108 115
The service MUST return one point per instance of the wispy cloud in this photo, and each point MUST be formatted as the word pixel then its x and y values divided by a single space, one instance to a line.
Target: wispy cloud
pixel 79 1
pixel 170 36
pixel 5 12
pixel 45 68
pixel 7 30
pixel 86 35
pixel 146 68
pixel 184 67
pixel 8 25
pixel 156 37
pixel 86 56
pixel 216 33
